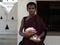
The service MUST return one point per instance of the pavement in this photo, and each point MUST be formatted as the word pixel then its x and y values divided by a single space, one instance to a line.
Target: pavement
pixel 8 39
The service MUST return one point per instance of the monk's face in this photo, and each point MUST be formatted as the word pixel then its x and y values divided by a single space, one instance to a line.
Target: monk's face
pixel 31 9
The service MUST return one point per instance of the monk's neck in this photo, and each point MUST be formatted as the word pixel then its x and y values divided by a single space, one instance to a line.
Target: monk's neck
pixel 31 15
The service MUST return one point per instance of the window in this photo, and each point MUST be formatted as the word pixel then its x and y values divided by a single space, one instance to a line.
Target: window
pixel 50 12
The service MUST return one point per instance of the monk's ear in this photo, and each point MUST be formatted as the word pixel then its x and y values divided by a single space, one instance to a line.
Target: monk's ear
pixel 27 9
pixel 35 11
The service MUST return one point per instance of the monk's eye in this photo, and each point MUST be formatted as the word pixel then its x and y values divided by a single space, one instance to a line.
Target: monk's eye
pixel 29 8
pixel 33 8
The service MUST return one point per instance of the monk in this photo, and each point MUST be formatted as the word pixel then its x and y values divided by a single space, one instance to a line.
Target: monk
pixel 35 21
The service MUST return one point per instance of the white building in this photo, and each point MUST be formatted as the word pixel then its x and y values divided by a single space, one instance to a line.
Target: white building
pixel 9 4
pixel 10 0
pixel 8 16
pixel 8 22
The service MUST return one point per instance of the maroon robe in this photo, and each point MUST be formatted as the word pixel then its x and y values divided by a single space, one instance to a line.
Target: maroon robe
pixel 38 24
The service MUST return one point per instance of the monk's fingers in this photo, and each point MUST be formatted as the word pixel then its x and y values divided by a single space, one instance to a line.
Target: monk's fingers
pixel 36 40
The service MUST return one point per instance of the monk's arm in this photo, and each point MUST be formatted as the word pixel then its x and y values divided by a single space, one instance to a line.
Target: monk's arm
pixel 21 27
pixel 43 28
pixel 43 33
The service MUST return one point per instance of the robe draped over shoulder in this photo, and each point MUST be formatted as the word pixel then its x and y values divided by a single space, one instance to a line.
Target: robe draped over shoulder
pixel 36 22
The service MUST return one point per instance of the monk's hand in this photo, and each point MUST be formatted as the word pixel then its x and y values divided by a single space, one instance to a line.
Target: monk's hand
pixel 28 34
pixel 37 40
